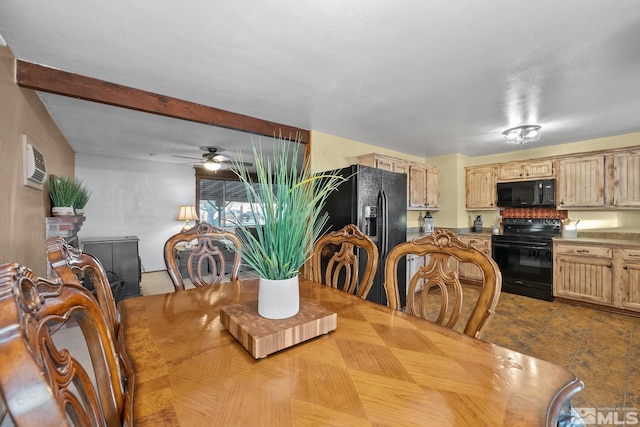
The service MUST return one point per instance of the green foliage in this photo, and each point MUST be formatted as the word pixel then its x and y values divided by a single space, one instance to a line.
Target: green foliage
pixel 291 202
pixel 65 191
pixel 83 195
pixel 62 190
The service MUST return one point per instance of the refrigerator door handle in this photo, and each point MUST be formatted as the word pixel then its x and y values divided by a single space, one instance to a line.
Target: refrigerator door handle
pixel 385 225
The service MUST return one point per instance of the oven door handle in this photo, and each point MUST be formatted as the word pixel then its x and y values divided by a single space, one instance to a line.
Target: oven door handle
pixel 519 246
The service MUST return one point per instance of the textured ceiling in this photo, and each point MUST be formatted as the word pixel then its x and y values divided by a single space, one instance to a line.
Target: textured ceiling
pixel 423 77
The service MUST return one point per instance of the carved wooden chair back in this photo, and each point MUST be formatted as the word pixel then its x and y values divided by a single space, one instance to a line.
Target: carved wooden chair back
pixel 71 265
pixel 437 280
pixel 335 260
pixel 205 263
pixel 43 384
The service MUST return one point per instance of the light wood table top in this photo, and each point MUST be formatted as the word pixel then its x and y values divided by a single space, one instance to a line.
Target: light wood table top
pixel 379 367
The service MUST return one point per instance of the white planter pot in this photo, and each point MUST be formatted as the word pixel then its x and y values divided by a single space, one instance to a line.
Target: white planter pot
pixel 278 299
pixel 62 211
pixel 80 212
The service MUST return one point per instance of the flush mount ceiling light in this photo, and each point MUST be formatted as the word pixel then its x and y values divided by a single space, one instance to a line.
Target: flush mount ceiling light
pixel 212 165
pixel 522 134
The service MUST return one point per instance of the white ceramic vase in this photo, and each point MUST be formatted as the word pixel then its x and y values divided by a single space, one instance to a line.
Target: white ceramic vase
pixel 278 299
pixel 62 211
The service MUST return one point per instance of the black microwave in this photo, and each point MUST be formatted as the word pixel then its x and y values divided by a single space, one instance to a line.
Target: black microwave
pixel 527 193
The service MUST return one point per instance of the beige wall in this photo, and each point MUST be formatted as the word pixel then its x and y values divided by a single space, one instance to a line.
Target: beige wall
pixel 24 209
pixel 333 152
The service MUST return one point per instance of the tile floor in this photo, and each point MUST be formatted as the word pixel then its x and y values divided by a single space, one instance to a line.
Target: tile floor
pixel 602 348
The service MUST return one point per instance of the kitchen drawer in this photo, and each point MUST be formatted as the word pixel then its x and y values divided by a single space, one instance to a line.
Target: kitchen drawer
pixel 595 251
pixel 631 255
pixel 484 244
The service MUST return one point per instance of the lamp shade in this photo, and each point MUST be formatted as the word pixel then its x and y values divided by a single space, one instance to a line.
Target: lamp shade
pixel 187 213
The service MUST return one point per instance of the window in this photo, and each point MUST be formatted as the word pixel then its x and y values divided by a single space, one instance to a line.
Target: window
pixel 223 203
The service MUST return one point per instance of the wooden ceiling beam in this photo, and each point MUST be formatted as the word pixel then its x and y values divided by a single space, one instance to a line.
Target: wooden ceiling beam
pixel 46 79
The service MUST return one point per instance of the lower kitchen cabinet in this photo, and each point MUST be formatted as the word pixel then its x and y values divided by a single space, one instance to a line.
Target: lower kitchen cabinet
pixel 120 256
pixel 468 271
pixel 605 274
pixel 630 279
pixel 583 273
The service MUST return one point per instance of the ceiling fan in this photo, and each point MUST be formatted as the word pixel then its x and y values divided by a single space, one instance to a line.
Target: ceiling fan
pixel 213 161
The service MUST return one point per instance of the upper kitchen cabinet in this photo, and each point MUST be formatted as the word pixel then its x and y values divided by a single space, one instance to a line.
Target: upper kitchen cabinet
pixel 481 187
pixel 423 182
pixel 385 163
pixel 623 186
pixel 417 186
pixel 424 187
pixel 581 182
pixel 433 188
pixel 516 171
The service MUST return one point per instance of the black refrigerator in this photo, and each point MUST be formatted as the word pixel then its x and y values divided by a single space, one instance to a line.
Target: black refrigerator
pixel 376 201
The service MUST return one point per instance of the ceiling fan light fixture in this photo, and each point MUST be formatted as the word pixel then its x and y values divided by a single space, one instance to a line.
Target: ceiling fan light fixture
pixel 522 134
pixel 212 165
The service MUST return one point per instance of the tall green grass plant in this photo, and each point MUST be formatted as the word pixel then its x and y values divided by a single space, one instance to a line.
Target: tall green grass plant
pixel 290 199
pixel 62 190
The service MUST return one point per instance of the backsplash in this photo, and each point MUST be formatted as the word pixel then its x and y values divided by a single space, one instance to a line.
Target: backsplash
pixel 534 213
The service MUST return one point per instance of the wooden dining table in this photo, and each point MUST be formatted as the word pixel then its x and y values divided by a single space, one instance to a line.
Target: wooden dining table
pixel 378 367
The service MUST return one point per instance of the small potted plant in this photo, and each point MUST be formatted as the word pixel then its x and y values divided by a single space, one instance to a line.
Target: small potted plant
pixel 290 199
pixel 63 192
pixel 81 198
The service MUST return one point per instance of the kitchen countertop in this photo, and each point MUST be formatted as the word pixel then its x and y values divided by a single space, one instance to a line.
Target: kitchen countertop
pixel 416 234
pixel 627 240
pixel 601 237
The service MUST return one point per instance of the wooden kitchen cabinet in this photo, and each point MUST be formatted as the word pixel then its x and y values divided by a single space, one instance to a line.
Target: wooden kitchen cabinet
pixel 604 273
pixel 417 186
pixel 624 179
pixel 423 182
pixel 433 188
pixel 583 273
pixel 481 187
pixel 384 162
pixel 516 171
pixel 630 279
pixel 468 271
pixel 581 182
pixel 424 187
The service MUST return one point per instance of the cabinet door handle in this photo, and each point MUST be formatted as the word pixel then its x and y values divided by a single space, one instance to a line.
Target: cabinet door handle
pixel 609 266
pixel 634 255
pixel 625 268
pixel 583 251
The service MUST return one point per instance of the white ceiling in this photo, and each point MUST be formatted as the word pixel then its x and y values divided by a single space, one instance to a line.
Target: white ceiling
pixel 424 77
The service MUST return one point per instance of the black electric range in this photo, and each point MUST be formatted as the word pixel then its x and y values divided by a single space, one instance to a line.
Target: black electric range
pixel 524 253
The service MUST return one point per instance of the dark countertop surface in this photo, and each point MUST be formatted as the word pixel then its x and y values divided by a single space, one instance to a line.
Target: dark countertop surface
pixel 583 236
pixel 416 234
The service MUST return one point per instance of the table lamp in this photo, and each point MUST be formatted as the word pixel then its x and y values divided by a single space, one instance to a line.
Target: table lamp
pixel 187 213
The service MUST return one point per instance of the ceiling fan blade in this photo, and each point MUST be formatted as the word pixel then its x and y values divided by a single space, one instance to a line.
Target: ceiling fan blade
pixel 186 157
pixel 231 162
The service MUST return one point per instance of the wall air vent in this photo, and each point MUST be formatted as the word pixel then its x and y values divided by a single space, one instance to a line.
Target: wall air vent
pixel 34 167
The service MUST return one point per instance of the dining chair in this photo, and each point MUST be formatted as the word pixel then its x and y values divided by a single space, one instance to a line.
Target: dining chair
pixel 43 383
pixel 204 247
pixel 72 265
pixel 437 281
pixel 335 260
